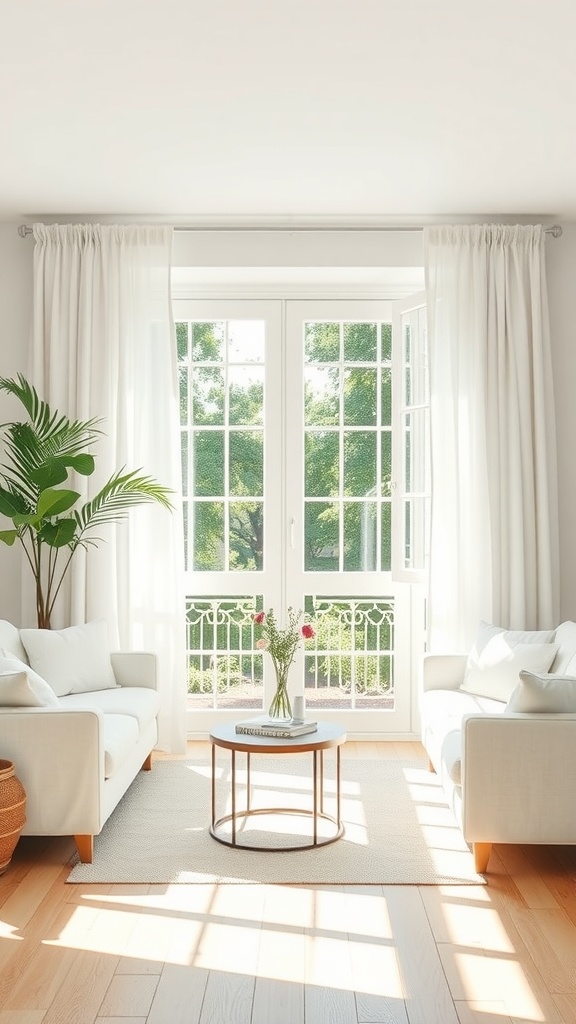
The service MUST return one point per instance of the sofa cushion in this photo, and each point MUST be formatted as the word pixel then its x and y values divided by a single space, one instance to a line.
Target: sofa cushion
pixel 72 660
pixel 139 702
pixel 565 637
pixel 44 695
pixel 442 712
pixel 16 692
pixel 10 640
pixel 499 655
pixel 547 694
pixel 487 633
pixel 120 735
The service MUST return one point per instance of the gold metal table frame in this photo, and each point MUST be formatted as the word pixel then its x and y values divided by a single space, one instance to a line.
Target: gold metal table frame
pixel 327 736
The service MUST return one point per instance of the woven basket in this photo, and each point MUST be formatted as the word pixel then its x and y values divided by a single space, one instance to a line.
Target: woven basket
pixel 12 812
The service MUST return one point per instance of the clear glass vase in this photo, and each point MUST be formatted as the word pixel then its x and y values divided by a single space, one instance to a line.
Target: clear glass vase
pixel 280 709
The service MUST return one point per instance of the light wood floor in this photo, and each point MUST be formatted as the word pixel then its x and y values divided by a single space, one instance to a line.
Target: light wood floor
pixel 238 954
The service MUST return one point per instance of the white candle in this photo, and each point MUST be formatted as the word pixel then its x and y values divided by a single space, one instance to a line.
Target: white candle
pixel 298 708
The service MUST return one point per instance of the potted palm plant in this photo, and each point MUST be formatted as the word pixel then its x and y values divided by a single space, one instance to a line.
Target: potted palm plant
pixel 47 517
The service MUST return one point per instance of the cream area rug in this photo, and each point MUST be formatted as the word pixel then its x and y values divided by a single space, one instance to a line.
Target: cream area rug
pixel 399 829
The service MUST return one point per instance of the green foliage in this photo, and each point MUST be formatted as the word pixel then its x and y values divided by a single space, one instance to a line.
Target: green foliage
pixel 281 644
pixel 228 675
pixel 353 647
pixel 40 455
pixel 345 366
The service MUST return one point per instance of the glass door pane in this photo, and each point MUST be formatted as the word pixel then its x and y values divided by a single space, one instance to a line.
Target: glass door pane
pixel 339 500
pixel 230 416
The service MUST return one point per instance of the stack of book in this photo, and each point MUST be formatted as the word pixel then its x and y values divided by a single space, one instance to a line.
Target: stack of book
pixel 265 726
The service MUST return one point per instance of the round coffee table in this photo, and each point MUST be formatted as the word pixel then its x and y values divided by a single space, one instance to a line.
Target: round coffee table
pixel 326 737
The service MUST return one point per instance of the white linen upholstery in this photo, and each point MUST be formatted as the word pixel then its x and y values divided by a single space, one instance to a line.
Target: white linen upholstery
pixel 77 758
pixel 120 734
pixel 72 660
pixel 442 712
pixel 138 702
pixel 565 637
pixel 45 694
pixel 16 692
pixel 550 693
pixel 507 774
pixel 499 654
pixel 496 673
pixel 10 640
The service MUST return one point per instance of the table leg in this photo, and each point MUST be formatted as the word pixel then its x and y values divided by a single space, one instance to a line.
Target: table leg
pixel 315 805
pixel 338 792
pixel 233 798
pixel 248 780
pixel 213 784
pixel 321 782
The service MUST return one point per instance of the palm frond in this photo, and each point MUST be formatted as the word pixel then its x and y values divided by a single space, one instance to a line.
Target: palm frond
pixel 122 492
pixel 61 434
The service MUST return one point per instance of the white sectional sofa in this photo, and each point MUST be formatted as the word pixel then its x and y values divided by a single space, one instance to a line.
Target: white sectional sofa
pixel 78 722
pixel 499 727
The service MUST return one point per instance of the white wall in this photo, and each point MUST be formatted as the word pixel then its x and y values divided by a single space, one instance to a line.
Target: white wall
pixel 298 248
pixel 15 326
pixel 309 249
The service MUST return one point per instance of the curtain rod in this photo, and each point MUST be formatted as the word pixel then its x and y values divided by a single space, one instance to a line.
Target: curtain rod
pixel 555 230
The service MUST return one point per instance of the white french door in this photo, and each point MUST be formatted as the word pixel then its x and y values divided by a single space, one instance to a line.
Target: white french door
pixel 287 417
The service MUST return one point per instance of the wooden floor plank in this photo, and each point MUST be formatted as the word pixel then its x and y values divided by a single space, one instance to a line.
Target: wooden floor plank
pixel 229 998
pixel 428 998
pixel 504 953
pixel 482 1012
pixel 79 997
pixel 179 995
pixel 280 1002
pixel 328 1004
pixel 129 994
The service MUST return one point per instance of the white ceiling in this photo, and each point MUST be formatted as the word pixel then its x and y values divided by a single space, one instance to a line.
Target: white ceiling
pixel 292 111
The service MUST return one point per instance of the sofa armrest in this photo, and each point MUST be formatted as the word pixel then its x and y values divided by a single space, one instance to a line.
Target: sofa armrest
pixel 443 671
pixel 59 758
pixel 517 778
pixel 136 668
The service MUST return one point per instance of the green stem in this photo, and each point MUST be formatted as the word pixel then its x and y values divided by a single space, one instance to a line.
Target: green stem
pixel 280 706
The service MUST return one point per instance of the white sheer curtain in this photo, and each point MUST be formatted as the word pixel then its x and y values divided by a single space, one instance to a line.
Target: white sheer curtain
pixel 103 346
pixel 494 542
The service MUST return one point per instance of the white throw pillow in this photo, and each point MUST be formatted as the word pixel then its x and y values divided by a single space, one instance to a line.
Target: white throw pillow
pixel 44 695
pixel 545 694
pixel 16 692
pixel 500 638
pixel 496 671
pixel 72 660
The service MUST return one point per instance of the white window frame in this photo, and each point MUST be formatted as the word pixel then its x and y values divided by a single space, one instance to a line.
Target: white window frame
pixel 280 514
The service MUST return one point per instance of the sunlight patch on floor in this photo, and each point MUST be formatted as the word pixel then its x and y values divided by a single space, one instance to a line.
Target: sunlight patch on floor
pixel 491 977
pixel 337 938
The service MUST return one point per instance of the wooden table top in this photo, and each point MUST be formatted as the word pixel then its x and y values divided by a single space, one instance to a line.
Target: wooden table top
pixel 327 735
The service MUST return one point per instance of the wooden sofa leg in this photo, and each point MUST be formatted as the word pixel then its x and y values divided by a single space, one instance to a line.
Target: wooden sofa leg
pixel 481 856
pixel 147 766
pixel 85 847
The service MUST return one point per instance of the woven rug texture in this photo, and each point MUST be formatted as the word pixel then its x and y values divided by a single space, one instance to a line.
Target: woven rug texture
pixel 399 829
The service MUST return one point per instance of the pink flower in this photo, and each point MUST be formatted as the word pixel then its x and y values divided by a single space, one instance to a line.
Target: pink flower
pixel 259 618
pixel 262 644
pixel 307 631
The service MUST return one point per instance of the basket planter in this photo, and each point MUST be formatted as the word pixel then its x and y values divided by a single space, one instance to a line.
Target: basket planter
pixel 12 812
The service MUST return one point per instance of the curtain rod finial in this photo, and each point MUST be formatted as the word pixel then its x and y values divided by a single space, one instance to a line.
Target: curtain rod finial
pixel 24 230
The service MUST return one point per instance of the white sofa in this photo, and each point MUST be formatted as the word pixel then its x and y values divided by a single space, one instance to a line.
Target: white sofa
pixel 509 775
pixel 76 752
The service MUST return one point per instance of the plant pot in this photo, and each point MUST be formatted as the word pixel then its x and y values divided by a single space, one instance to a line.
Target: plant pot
pixel 12 812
